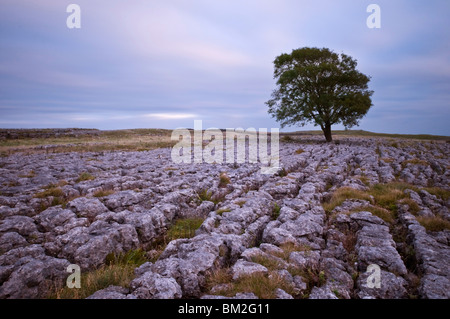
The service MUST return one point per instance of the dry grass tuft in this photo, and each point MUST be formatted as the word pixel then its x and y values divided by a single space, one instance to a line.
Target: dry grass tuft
pixel 434 224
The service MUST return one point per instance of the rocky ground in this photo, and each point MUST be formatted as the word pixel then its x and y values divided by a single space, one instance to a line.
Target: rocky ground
pixel 309 231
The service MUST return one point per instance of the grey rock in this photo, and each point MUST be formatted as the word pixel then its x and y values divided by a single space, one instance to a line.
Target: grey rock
pixel 151 285
pixel 299 284
pixel 30 276
pixel 323 292
pixel 22 225
pixel 10 241
pixel 87 207
pixel 281 294
pixel 123 200
pixel 375 246
pixel 391 287
pixel 53 217
pixel 245 295
pixel 245 268
pixel 305 259
pixel 112 292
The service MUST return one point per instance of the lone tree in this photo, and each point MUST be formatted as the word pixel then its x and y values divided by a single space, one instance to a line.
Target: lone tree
pixel 321 87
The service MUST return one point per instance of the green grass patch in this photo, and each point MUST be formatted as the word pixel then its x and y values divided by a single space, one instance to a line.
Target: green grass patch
pixel 184 228
pixel 341 195
pixel 85 176
pixel 275 211
pixel 383 198
pixel 438 192
pixel 383 213
pixel 414 161
pixel 269 262
pixel 240 203
pixel 117 271
pixel 262 285
pixel 288 248
pixel 205 195
pixel 103 193
pixel 434 224
pixel 224 180
pixel 52 191
pixel 222 210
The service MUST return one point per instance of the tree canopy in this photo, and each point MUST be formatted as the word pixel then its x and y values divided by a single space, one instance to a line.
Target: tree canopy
pixel 321 87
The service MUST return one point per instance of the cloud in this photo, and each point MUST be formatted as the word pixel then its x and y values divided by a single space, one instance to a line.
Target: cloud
pixel 161 63
pixel 170 116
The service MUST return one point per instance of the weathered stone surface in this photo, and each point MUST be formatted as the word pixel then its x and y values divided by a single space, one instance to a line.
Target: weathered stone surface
pixel 376 246
pixel 22 225
pixel 277 220
pixel 11 240
pixel 391 287
pixel 151 285
pixel 323 292
pixel 87 207
pixel 112 292
pixel 433 259
pixel 245 268
pixel 29 273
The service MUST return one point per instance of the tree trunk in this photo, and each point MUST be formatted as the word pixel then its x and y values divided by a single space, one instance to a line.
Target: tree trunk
pixel 327 132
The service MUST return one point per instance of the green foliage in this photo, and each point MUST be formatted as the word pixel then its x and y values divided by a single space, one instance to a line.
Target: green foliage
pixel 52 191
pixel 184 228
pixel 321 87
pixel 204 195
pixel 282 172
pixel 117 271
pixel 439 192
pixel 85 176
pixel 103 193
pixel 224 180
pixel 134 257
pixel 435 223
pixel 240 203
pixel 275 211
pixel 222 210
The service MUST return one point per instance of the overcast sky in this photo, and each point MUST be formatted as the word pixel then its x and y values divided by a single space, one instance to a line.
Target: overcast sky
pixel 164 64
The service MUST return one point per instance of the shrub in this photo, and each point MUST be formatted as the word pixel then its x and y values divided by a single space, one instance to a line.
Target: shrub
pixel 282 172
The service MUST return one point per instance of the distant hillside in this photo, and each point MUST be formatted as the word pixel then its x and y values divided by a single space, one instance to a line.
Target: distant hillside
pixel 371 134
